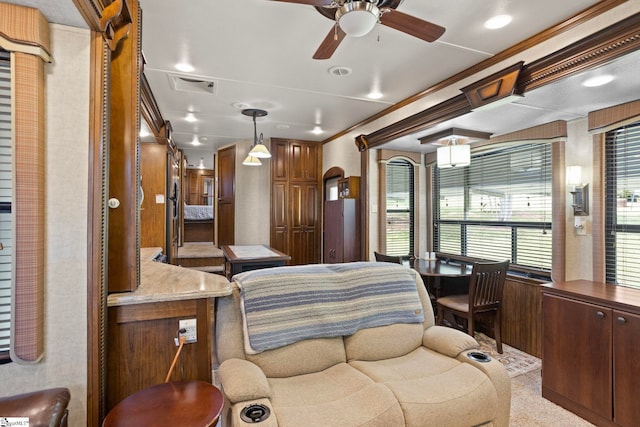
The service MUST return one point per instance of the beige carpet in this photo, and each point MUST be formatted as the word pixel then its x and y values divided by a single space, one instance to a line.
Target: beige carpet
pixel 517 362
pixel 530 409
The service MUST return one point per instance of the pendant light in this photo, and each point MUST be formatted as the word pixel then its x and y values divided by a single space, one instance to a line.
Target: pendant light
pixel 258 149
pixel 454 154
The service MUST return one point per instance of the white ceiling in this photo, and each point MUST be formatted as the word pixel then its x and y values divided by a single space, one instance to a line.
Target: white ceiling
pixel 259 53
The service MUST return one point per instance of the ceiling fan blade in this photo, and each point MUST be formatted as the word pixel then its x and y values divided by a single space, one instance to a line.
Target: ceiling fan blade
pixel 330 43
pixel 309 2
pixel 411 25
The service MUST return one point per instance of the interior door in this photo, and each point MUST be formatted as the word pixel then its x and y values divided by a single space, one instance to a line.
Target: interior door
pixel 173 205
pixel 226 195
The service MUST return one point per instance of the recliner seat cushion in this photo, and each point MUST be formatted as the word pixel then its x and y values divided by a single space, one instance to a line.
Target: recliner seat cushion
pixel 434 387
pixel 338 396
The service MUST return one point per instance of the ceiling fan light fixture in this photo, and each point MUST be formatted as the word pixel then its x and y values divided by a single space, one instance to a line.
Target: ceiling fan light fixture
pixel 357 18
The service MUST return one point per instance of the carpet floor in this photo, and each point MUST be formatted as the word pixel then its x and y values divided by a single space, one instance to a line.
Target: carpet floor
pixel 530 409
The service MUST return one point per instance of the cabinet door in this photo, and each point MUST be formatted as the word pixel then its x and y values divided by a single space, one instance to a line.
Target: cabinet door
pixel 279 219
pixel 279 159
pixel 304 161
pixel 303 223
pixel 626 368
pixel 351 234
pixel 577 353
pixel 333 231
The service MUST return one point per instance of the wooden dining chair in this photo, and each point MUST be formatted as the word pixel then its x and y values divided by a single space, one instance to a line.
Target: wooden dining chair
pixel 387 258
pixel 485 296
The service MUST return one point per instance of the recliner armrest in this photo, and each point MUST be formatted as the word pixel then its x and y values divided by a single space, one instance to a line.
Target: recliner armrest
pixel 448 341
pixel 242 380
pixel 43 407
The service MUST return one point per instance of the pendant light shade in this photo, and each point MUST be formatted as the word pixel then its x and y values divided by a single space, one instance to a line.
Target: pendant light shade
pixel 454 155
pixel 251 161
pixel 260 150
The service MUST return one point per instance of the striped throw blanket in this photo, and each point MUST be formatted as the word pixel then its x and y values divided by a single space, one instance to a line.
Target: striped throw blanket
pixel 284 305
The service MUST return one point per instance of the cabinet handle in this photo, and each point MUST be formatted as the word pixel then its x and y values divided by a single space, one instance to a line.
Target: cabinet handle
pixel 600 315
pixel 621 320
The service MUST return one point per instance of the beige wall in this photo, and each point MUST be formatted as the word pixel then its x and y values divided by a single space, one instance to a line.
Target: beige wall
pixel 579 248
pixel 252 199
pixel 67 105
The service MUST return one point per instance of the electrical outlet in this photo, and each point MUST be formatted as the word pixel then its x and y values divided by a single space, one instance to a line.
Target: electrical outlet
pixel 190 326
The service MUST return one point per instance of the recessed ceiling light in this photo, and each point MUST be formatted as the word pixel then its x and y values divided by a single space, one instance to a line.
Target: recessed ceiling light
pixel 497 21
pixel 317 130
pixel 184 67
pixel 195 141
pixel 190 118
pixel 374 94
pixel 340 71
pixel 282 126
pixel 598 81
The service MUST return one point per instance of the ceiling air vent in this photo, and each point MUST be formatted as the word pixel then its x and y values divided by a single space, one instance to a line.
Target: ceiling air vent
pixel 190 84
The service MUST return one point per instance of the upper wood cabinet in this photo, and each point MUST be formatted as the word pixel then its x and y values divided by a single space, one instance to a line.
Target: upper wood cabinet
pixel 295 199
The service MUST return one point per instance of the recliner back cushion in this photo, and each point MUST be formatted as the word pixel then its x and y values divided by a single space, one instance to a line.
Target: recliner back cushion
pixel 301 357
pixel 384 342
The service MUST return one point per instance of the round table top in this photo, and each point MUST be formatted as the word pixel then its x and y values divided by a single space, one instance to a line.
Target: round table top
pixel 187 403
pixel 440 268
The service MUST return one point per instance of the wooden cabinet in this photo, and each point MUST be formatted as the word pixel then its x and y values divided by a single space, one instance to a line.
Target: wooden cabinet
pixel 591 348
pixel 341 231
pixel 141 348
pixel 295 199
pixel 349 187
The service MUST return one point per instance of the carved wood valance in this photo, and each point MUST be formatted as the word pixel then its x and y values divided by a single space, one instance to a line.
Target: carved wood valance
pixel 112 18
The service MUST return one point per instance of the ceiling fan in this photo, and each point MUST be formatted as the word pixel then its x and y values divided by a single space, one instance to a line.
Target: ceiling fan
pixel 359 17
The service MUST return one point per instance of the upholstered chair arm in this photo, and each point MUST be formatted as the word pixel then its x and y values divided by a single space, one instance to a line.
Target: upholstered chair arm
pixel 242 380
pixel 43 407
pixel 448 341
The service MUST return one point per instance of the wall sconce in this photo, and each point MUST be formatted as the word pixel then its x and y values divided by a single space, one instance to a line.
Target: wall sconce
pixel 579 191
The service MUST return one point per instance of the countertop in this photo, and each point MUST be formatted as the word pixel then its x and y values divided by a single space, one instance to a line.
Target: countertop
pixel 161 282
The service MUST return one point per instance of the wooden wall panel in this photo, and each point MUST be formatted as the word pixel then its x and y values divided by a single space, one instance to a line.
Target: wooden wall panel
pixel 522 315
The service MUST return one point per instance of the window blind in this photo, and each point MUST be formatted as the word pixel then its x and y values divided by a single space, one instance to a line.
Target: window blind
pixel 6 234
pixel 400 208
pixel 497 208
pixel 622 216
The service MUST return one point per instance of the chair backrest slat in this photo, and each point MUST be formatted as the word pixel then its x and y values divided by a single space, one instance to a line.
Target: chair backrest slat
pixel 486 284
pixel 387 258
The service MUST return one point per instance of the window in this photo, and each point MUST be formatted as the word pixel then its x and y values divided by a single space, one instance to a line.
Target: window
pixel 5 204
pixel 622 217
pixel 400 208
pixel 497 208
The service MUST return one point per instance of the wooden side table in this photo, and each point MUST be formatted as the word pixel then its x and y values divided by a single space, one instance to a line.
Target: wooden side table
pixel 187 403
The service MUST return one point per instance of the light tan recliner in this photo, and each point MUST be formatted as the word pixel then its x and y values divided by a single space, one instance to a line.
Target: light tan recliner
pixel 395 375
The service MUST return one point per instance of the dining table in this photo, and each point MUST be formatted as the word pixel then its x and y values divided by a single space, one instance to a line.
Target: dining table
pixel 433 271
